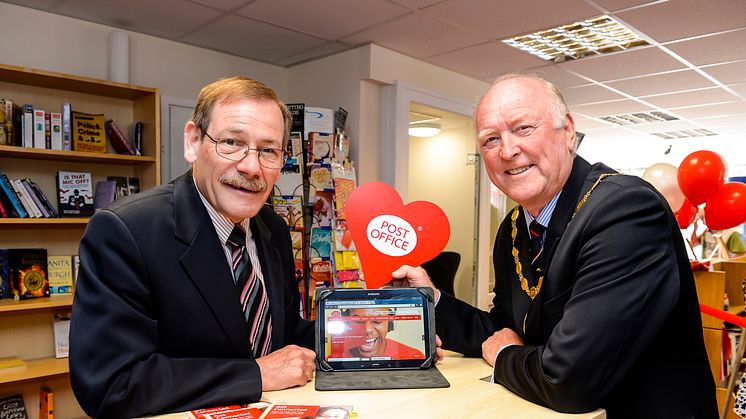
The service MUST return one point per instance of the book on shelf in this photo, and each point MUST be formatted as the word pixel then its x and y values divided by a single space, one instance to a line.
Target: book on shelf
pixel 106 193
pixel 37 201
pixel 5 291
pixel 46 403
pixel 13 407
pixel 138 138
pixel 55 119
pixel 76 269
pixel 3 135
pixel 10 195
pixel 133 185
pixel 88 130
pixel 74 194
pixel 60 271
pixel 12 364
pixel 28 125
pixel 28 273
pixel 61 335
pixel 67 138
pixel 42 197
pixel 25 199
pixel 13 123
pixel 123 188
pixel 48 131
pixel 39 133
pixel 3 212
pixel 117 138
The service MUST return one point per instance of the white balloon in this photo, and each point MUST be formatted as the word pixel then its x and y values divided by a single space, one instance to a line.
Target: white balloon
pixel 663 177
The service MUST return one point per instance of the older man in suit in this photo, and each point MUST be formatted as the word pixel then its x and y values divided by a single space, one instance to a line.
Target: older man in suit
pixel 594 305
pixel 186 296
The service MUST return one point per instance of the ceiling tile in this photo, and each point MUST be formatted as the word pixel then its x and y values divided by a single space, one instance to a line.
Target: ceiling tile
pixel 35 4
pixel 144 16
pixel 584 124
pixel 670 20
pixel 508 18
pixel 416 4
pixel 730 108
pixel 589 94
pixel 729 46
pixel 734 72
pixel 661 83
pixel 614 5
pixel 630 63
pixel 557 75
pixel 721 121
pixel 328 48
pixel 341 17
pixel 690 98
pixel 416 35
pixel 739 88
pixel 486 60
pixel 248 38
pixel 614 107
pixel 225 5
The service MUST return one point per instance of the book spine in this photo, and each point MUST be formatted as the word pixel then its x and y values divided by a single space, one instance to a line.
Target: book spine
pixel 67 139
pixel 56 127
pixel 3 214
pixel 28 125
pixel 34 198
pixel 117 138
pixel 138 138
pixel 3 135
pixel 40 140
pixel 48 131
pixel 46 403
pixel 13 123
pixel 11 195
pixel 43 197
pixel 26 199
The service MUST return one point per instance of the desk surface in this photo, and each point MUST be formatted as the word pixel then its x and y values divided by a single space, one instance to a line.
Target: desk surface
pixel 468 397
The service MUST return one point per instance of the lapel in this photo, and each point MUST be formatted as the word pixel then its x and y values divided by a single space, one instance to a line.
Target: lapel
pixel 521 301
pixel 561 216
pixel 269 258
pixel 205 264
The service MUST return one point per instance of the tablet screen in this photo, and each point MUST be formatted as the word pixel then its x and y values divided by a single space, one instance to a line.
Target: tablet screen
pixel 374 329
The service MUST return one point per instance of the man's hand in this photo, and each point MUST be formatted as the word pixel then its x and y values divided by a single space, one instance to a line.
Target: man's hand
pixel 287 367
pixel 439 355
pixel 497 341
pixel 411 276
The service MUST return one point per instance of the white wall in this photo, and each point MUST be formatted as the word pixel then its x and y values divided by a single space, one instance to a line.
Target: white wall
pixel 46 41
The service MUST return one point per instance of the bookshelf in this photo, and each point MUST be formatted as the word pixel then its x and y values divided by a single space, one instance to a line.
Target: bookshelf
pixel 26 327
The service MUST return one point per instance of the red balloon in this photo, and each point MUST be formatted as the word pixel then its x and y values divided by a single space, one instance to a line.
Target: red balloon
pixel 700 175
pixel 726 208
pixel 686 214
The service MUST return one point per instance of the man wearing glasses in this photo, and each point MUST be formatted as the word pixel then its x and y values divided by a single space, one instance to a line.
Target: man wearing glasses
pixel 186 296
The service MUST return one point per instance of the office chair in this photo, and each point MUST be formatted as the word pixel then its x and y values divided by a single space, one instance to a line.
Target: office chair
pixel 442 270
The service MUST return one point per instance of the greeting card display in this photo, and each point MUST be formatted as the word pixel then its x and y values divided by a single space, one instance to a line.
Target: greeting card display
pixel 388 234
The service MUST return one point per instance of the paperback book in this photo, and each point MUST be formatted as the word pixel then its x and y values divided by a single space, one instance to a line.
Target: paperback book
pixel 74 194
pixel 28 273
pixel 60 272
pixel 88 132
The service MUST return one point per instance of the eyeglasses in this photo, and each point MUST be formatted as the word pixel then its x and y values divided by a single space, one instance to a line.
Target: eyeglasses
pixel 234 150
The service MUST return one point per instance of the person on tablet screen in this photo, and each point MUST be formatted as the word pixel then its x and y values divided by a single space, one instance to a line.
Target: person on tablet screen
pixel 375 343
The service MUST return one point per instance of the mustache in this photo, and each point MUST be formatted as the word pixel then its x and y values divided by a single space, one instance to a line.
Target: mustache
pixel 239 181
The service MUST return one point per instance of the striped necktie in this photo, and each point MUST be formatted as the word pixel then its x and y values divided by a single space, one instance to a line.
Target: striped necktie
pixel 252 295
pixel 536 231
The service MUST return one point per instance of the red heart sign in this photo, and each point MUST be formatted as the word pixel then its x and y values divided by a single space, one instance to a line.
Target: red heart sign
pixel 388 234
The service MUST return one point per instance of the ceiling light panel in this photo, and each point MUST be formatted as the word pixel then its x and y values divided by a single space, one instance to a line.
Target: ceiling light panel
pixel 639 118
pixel 594 36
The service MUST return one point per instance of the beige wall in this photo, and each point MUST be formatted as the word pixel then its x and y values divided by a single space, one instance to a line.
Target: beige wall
pixel 438 173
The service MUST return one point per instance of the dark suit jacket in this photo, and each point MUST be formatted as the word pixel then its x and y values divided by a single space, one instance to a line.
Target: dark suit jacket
pixel 157 326
pixel 616 324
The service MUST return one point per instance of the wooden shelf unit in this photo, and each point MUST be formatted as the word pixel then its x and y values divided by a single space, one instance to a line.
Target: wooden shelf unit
pixel 26 327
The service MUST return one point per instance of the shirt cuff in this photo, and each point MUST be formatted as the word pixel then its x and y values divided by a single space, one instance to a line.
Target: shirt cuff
pixel 492 379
